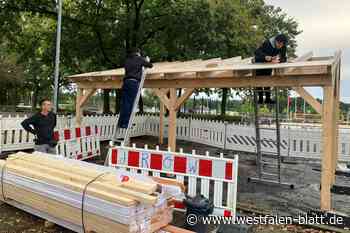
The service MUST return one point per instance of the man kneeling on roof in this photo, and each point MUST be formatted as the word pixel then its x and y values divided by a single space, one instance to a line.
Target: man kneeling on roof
pixel 133 74
pixel 273 50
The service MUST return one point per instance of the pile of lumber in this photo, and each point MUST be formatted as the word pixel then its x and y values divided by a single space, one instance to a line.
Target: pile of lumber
pixel 83 197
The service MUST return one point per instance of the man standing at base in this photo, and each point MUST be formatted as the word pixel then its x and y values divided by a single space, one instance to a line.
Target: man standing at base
pixel 273 50
pixel 42 125
pixel 133 74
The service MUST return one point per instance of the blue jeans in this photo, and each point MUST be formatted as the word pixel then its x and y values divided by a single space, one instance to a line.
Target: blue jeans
pixel 129 92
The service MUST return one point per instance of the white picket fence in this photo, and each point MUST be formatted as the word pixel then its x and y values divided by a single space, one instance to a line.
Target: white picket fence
pixel 14 137
pixel 296 141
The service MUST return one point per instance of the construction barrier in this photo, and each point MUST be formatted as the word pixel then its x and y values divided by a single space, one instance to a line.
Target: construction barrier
pixel 213 177
pixel 301 141
pixel 78 143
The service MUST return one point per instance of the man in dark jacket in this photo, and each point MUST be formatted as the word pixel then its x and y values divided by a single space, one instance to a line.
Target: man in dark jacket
pixel 42 125
pixel 274 51
pixel 133 73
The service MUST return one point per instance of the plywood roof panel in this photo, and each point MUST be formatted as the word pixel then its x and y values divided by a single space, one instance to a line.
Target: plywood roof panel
pixel 217 68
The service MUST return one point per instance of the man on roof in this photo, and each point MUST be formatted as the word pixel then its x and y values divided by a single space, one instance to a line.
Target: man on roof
pixel 133 74
pixel 273 50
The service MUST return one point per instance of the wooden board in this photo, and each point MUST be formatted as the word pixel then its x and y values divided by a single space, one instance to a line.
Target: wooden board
pixel 23 165
pixel 68 213
pixel 111 191
pixel 83 174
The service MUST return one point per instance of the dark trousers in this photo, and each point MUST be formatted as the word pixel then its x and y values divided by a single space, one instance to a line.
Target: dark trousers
pixel 129 93
pixel 264 91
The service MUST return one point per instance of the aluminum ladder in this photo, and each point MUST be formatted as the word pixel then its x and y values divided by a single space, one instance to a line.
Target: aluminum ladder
pixel 268 163
pixel 125 139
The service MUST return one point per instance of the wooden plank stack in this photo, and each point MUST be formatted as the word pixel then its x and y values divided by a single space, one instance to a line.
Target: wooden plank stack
pixel 83 197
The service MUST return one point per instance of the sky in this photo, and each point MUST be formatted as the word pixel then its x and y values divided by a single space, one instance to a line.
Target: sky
pixel 326 29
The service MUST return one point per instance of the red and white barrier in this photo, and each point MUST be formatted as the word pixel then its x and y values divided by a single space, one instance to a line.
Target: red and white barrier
pixel 78 143
pixel 213 177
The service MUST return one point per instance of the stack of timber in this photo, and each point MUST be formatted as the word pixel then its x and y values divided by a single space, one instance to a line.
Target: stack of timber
pixel 84 197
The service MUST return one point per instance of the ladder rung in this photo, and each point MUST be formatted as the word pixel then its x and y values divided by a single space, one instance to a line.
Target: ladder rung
pixel 270 169
pixel 269 174
pixel 270 154
pixel 272 129
pixel 269 164
pixel 272 157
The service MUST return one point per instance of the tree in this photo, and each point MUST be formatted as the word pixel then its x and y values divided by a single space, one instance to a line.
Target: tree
pixel 96 34
pixel 10 82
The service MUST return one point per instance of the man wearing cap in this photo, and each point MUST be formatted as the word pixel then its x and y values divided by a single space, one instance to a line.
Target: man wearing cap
pixel 273 50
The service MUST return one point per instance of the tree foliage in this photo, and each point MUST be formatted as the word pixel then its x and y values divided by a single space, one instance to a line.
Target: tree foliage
pixel 97 33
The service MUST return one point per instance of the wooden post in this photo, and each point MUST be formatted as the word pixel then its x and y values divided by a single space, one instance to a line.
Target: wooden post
pixel 78 110
pixel 327 175
pixel 336 93
pixel 173 104
pixel 161 123
pixel 172 120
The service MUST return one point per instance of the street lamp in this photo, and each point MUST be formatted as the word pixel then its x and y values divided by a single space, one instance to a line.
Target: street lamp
pixel 57 59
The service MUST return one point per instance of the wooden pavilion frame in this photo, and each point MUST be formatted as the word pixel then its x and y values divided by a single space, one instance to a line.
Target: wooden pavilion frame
pixel 236 72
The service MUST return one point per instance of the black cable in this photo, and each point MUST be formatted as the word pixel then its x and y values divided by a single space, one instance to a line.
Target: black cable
pixel 84 195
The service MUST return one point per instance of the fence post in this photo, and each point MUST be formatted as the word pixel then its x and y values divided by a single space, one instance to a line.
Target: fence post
pixel 1 129
pixel 225 134
pixel 189 128
pixel 69 121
